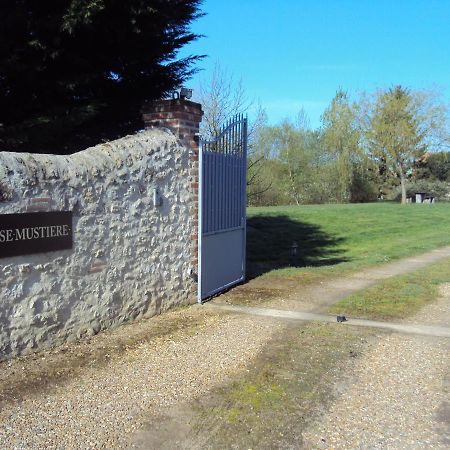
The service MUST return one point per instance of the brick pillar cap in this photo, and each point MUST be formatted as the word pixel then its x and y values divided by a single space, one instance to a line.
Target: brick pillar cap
pixel 175 104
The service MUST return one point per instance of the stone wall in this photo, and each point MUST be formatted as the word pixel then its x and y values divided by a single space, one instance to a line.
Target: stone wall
pixel 132 253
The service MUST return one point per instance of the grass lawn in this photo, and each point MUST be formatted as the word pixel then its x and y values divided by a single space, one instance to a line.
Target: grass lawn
pixel 396 297
pixel 337 239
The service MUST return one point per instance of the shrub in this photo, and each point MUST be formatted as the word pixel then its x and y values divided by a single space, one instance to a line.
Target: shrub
pixel 438 189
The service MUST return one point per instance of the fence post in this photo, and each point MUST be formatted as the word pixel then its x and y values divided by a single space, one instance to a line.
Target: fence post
pixel 183 118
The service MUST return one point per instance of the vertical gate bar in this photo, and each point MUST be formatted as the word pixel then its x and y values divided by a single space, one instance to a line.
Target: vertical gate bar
pixel 204 191
pixel 241 171
pixel 201 192
pixel 225 142
pixel 219 181
pixel 223 190
pixel 227 179
pixel 207 190
pixel 216 191
pixel 233 135
pixel 229 194
pixel 222 154
pixel 228 138
pixel 224 183
pixel 228 184
pixel 211 190
pixel 238 189
pixel 238 135
pixel 235 212
pixel 238 178
pixel 231 169
pixel 230 180
pixel 204 198
pixel 217 184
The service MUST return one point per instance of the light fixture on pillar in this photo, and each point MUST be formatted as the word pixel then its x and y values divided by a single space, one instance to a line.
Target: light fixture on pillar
pixel 184 94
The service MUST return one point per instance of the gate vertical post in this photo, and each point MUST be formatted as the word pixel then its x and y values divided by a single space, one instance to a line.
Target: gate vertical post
pixel 200 225
pixel 183 118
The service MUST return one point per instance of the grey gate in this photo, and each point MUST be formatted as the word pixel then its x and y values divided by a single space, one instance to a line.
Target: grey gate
pixel 222 205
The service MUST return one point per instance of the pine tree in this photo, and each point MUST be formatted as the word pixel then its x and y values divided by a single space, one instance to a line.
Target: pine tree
pixel 73 72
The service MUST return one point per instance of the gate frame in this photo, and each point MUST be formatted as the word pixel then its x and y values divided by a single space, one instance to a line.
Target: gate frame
pixel 200 225
pixel 200 211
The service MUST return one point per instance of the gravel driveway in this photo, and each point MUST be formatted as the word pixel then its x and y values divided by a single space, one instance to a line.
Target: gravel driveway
pixel 398 397
pixel 101 406
pixel 97 393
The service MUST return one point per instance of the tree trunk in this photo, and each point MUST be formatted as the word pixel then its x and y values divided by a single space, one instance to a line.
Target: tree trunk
pixel 294 190
pixel 403 184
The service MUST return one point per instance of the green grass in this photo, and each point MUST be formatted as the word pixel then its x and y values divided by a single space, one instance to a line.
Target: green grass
pixel 396 297
pixel 335 239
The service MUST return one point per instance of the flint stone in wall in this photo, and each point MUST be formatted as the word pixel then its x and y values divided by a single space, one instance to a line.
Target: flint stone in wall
pixel 130 258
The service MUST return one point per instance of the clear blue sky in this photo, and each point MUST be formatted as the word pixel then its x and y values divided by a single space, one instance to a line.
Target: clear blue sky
pixel 295 53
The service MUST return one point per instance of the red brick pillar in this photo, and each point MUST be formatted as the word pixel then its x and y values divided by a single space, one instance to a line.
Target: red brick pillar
pixel 183 118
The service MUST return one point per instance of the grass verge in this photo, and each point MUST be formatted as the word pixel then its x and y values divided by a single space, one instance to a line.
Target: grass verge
pixel 397 297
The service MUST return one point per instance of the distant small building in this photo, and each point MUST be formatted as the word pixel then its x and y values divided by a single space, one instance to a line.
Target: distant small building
pixel 422 197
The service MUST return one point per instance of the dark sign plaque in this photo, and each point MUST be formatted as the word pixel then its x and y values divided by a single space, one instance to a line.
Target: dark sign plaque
pixel 24 234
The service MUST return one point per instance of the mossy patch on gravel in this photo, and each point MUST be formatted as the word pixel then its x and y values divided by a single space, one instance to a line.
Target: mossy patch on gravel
pixel 282 391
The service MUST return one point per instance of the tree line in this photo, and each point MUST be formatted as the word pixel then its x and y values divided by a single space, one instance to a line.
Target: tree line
pixel 384 145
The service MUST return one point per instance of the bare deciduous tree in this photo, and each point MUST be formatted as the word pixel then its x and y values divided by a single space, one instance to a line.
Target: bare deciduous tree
pixel 222 98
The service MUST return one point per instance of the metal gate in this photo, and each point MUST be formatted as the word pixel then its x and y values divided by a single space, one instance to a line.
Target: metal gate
pixel 222 206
